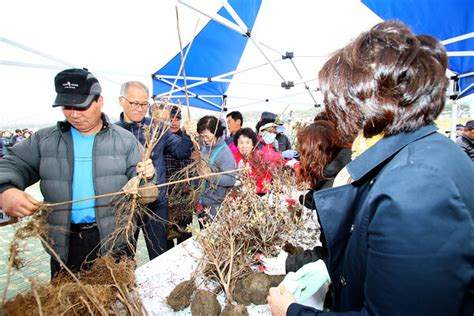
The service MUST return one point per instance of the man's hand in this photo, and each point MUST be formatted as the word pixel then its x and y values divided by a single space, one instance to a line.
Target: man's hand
pixel 146 169
pixel 204 170
pixel 279 299
pixel 190 128
pixel 194 155
pixel 17 203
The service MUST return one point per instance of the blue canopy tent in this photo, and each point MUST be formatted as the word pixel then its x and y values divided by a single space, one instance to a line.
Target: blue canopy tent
pixel 212 60
pixel 210 64
pixel 451 21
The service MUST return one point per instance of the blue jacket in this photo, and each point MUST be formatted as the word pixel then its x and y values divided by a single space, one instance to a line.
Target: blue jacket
pixel 179 147
pixel 401 235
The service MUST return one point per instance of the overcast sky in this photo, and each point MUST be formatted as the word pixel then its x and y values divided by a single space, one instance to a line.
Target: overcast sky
pixel 124 40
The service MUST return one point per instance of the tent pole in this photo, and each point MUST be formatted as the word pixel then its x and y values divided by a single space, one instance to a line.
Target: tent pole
pixel 50 57
pixel 454 109
pixel 266 100
pixel 217 79
pixel 467 53
pixel 191 93
pixel 454 116
pixel 37 52
pixel 243 28
pixel 458 38
pixel 305 85
pixel 246 31
pixel 268 60
pixel 215 17
pixel 158 77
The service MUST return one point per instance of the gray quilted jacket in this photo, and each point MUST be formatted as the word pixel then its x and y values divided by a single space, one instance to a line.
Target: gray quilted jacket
pixel 47 156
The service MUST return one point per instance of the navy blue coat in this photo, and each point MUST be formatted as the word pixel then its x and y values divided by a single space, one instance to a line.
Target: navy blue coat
pixel 179 147
pixel 401 235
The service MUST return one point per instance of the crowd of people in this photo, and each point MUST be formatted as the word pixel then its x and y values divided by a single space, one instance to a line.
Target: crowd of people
pixel 8 138
pixel 396 218
pixel 88 165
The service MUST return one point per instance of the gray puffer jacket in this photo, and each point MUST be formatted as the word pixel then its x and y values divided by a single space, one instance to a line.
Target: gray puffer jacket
pixel 48 156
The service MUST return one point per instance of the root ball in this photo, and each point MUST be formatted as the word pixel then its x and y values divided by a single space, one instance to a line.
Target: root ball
pixel 148 193
pixel 205 304
pixel 180 297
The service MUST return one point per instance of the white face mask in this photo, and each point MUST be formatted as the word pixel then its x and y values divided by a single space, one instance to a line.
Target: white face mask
pixel 268 137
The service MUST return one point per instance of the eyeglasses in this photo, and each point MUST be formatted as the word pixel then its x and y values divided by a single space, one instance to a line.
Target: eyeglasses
pixel 137 105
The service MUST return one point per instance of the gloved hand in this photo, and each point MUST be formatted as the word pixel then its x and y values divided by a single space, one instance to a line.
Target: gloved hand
pixel 307 280
pixel 274 266
pixel 237 183
pixel 289 154
pixel 291 163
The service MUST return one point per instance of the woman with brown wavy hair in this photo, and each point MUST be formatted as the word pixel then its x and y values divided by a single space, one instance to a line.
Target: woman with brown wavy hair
pixel 321 156
pixel 321 159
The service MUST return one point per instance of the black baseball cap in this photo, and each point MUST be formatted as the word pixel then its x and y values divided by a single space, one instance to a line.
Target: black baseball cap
pixel 76 88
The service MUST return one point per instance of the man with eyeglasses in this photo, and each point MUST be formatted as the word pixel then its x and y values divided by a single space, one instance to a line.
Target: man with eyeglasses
pixel 134 101
pixel 81 157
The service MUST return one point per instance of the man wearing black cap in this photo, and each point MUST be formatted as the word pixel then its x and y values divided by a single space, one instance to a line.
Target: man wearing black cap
pixel 81 157
pixel 134 101
pixel 466 139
